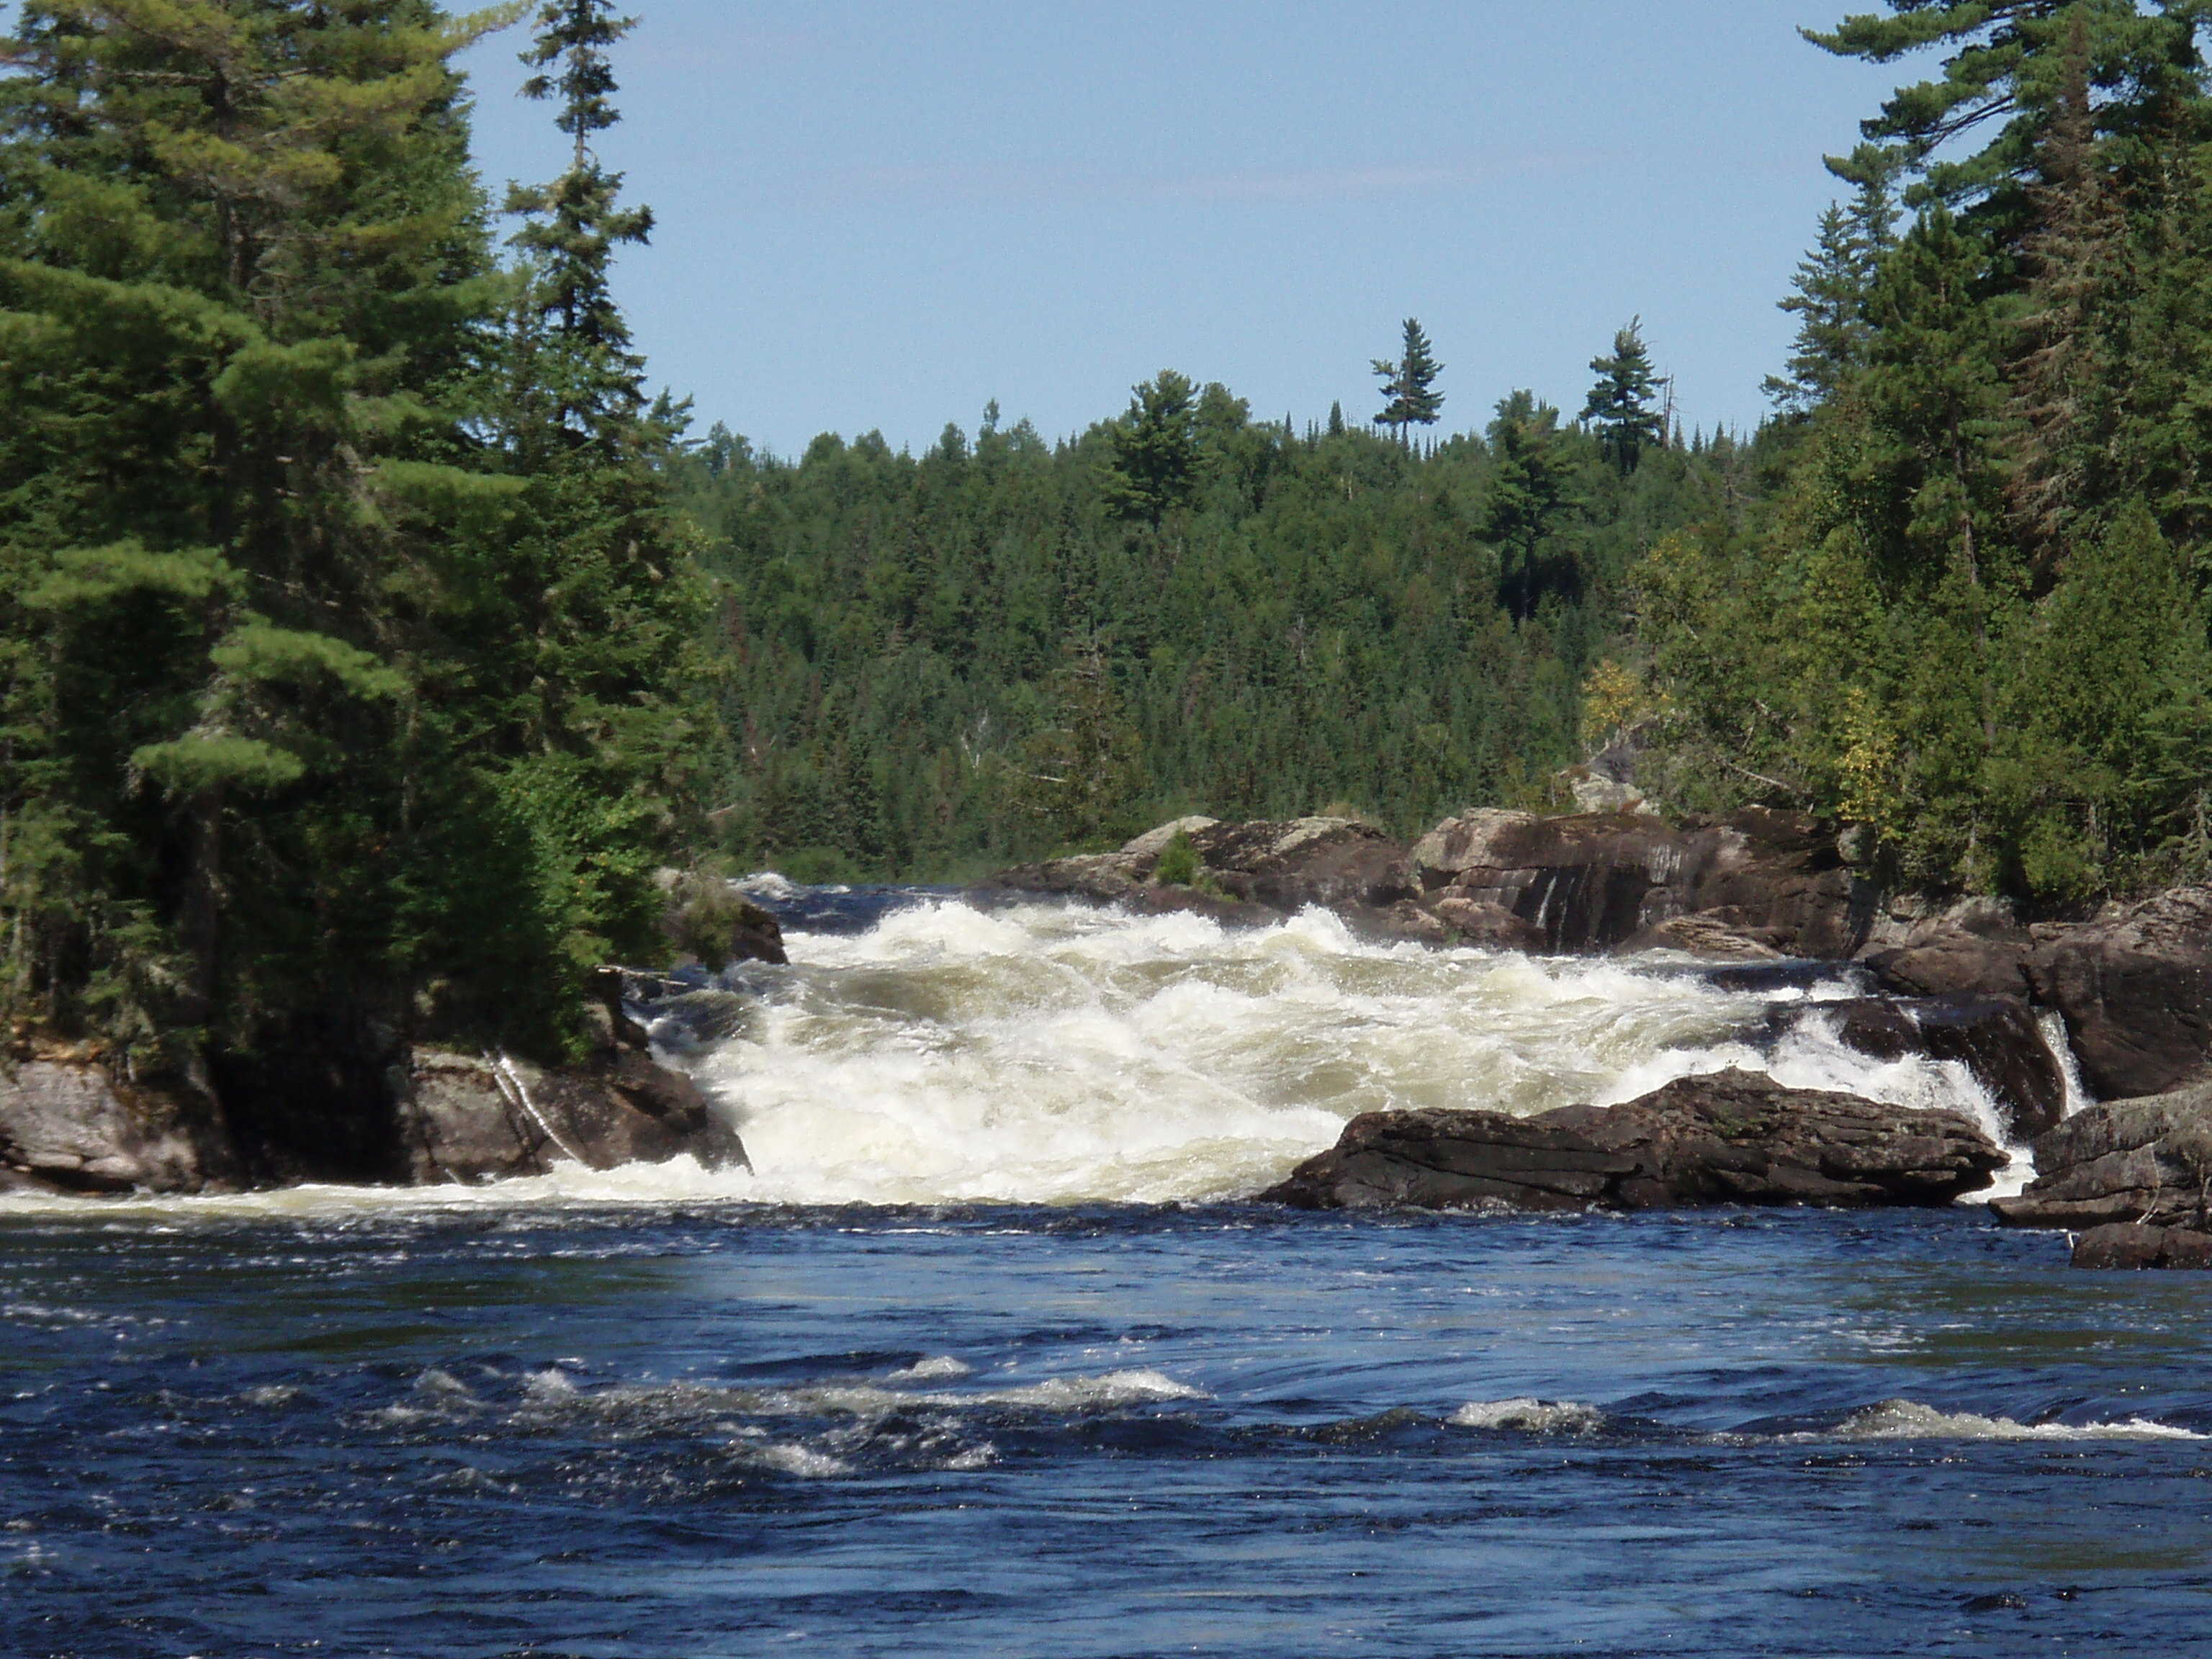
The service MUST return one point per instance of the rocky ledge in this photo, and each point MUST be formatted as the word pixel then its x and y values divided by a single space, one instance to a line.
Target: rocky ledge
pixel 1729 1138
pixel 74 1120
pixel 2141 1163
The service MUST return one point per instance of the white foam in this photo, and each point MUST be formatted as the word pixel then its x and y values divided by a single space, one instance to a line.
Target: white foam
pixel 937 1368
pixel 1053 1054
pixel 1529 1416
pixel 1909 1420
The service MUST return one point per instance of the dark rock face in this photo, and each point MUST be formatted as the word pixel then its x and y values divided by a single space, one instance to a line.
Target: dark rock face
pixel 2130 1161
pixel 1729 1138
pixel 2124 1245
pixel 1996 1038
pixel 474 1118
pixel 2135 987
pixel 68 1123
pixel 1598 881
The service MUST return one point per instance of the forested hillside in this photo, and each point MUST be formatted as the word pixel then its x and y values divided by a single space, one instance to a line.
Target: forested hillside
pixel 1005 645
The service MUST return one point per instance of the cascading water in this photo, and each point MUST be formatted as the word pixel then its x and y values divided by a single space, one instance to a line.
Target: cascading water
pixel 1056 1054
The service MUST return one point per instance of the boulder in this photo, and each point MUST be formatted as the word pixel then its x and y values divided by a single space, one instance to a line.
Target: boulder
pixel 72 1123
pixel 1594 881
pixel 1728 1138
pixel 1715 935
pixel 2133 1161
pixel 2127 1245
pixel 470 1117
pixel 2135 987
pixel 709 921
pixel 1997 1039
pixel 1282 866
pixel 1480 921
pixel 1977 947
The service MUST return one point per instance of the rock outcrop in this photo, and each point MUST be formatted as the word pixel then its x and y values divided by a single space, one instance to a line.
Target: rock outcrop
pixel 1771 881
pixel 2126 1245
pixel 470 1117
pixel 2135 987
pixel 708 921
pixel 1271 868
pixel 70 1122
pixel 1728 1138
pixel 2138 1161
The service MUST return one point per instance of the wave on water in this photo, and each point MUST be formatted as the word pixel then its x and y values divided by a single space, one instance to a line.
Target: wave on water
pixel 1909 1420
pixel 1528 1416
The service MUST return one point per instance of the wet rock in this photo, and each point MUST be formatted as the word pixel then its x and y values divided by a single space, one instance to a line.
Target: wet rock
pixel 1977 947
pixel 470 1117
pixel 1283 866
pixel 1594 881
pixel 2129 1245
pixel 709 921
pixel 69 1122
pixel 2135 987
pixel 1997 1039
pixel 1715 935
pixel 1481 921
pixel 1729 1138
pixel 2147 1161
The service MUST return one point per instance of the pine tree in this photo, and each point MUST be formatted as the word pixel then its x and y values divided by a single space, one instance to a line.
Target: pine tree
pixel 2002 79
pixel 1831 285
pixel 1408 385
pixel 2066 381
pixel 574 226
pixel 1619 409
pixel 1153 450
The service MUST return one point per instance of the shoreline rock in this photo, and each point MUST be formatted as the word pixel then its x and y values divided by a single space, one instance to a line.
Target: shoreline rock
pixel 2144 1162
pixel 1724 1138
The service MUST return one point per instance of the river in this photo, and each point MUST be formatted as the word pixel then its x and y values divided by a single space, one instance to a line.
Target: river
pixel 986 1357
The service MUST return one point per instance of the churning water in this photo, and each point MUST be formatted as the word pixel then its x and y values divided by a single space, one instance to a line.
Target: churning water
pixel 985 1359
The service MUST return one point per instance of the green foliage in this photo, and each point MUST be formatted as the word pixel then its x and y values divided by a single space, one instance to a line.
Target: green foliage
pixel 1152 452
pixel 1179 864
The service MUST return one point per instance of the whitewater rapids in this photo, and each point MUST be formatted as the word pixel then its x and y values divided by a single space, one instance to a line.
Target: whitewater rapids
pixel 1046 1053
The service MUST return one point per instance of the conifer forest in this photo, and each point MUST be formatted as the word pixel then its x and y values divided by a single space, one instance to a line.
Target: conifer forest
pixel 372 627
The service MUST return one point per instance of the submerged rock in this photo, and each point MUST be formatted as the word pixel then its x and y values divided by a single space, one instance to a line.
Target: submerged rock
pixel 1728 1138
pixel 69 1122
pixel 2147 1161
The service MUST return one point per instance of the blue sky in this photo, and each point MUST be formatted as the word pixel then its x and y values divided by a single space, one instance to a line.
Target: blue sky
pixel 884 214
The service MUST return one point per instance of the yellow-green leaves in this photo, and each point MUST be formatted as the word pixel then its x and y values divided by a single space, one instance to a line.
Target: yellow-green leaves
pixel 85 577
pixel 287 656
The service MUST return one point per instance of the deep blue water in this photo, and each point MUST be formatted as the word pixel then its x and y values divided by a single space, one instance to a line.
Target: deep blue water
pixel 661 1432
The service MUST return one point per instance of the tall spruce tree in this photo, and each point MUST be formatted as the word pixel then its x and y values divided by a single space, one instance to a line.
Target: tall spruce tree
pixel 1153 451
pixel 1410 396
pixel 1621 407
pixel 1830 297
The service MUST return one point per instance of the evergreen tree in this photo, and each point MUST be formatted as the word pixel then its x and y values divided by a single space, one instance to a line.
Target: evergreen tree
pixel 1153 450
pixel 2003 78
pixel 1525 500
pixel 1829 302
pixel 245 267
pixel 574 226
pixel 1621 405
pixel 1408 385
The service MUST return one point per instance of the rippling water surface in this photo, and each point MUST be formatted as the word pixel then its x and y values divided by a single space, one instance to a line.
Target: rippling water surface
pixel 663 1412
